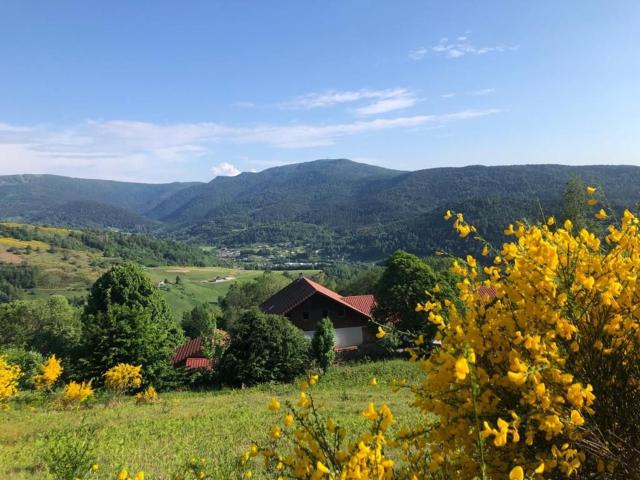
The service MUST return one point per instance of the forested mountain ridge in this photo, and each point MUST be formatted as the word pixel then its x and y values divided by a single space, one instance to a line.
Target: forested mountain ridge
pixel 340 207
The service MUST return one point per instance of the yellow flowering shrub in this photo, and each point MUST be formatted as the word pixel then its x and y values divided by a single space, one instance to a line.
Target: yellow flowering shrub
pixel 537 373
pixel 50 371
pixel 76 393
pixel 9 375
pixel 149 395
pixel 123 377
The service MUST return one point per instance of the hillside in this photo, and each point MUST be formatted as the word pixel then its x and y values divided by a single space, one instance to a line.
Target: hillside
pixel 37 197
pixel 338 207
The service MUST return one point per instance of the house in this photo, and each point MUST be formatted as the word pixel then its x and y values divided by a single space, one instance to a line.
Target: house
pixel 192 355
pixel 306 302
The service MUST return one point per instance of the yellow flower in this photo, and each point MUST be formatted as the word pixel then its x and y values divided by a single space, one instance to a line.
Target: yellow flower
pixel 381 333
pixel 373 382
pixel 592 201
pixel 591 190
pixel 462 368
pixel 123 475
pixel 448 215
pixel 274 405
pixel 517 473
pixel 322 468
pixel 551 221
pixel 313 379
pixel 139 475
pixel 540 468
pixel 370 413
pixel 601 215
pixel 577 418
pixel 50 371
pixel 288 419
pixel 123 377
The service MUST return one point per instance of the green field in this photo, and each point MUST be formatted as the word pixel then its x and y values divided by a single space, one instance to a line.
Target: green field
pixel 197 284
pixel 217 426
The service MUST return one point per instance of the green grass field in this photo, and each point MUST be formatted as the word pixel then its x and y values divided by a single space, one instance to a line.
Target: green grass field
pixel 196 284
pixel 217 426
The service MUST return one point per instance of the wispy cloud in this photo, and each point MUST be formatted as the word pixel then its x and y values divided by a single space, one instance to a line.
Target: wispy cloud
pixel 458 47
pixel 482 92
pixel 133 150
pixel 225 170
pixel 385 100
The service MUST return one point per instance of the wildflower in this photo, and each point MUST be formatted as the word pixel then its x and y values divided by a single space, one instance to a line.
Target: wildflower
pixel 274 405
pixel 123 377
pixel 591 190
pixel 381 333
pixel 139 476
pixel 9 375
pixel 150 395
pixel 50 371
pixel 462 368
pixel 76 393
pixel 373 382
pixel 517 473
pixel 601 215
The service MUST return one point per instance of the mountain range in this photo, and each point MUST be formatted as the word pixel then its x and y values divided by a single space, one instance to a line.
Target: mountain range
pixel 339 206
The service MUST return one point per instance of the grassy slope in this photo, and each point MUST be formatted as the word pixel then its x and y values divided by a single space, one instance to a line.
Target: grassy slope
pixel 75 275
pixel 218 426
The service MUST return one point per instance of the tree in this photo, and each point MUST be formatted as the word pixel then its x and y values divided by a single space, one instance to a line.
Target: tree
pixel 201 320
pixel 575 206
pixel 243 296
pixel 264 348
pixel 402 286
pixel 127 320
pixel 178 280
pixel 323 344
pixel 50 326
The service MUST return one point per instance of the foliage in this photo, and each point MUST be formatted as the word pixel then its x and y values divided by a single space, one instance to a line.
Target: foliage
pixel 402 286
pixel 69 454
pixel 9 375
pixel 29 362
pixel 50 326
pixel 575 206
pixel 264 348
pixel 123 377
pixel 537 370
pixel 243 296
pixel 127 320
pixel 50 372
pixel 148 395
pixel 323 344
pixel 306 445
pixel 76 393
pixel 201 320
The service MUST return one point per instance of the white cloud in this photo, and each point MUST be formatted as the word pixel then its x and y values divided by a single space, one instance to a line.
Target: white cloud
pixel 418 53
pixel 482 92
pixel 457 48
pixel 384 101
pixel 225 170
pixel 448 95
pixel 145 151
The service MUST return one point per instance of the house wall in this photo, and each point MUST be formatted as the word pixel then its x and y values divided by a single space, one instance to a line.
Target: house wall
pixel 318 307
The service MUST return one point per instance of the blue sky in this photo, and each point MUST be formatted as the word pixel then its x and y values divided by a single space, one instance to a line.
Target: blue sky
pixel 165 90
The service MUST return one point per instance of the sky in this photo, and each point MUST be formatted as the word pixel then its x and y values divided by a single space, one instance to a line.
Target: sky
pixel 161 91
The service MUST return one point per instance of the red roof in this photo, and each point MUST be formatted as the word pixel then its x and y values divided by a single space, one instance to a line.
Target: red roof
pixel 364 303
pixel 193 348
pixel 199 363
pixel 303 288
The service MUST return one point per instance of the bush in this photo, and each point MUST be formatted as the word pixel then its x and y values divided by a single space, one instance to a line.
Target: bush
pixel 264 348
pixel 29 362
pixel 537 377
pixel 323 344
pixel 69 454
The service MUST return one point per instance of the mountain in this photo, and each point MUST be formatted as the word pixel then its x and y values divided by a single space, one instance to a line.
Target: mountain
pixel 29 197
pixel 339 207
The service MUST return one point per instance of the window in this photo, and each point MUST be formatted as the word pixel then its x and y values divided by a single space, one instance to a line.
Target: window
pixel 325 313
pixel 305 315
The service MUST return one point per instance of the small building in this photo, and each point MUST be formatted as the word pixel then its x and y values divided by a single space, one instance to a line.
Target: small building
pixel 306 302
pixel 191 354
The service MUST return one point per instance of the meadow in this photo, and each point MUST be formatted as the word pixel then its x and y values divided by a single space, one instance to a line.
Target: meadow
pixel 215 425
